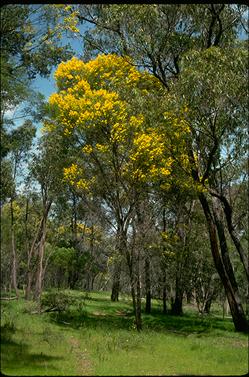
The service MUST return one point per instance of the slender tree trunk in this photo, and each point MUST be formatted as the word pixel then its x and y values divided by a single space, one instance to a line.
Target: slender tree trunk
pixel 177 304
pixel 40 275
pixel 14 264
pixel 130 263
pixel 164 268
pixel 231 229
pixel 139 230
pixel 189 296
pixel 31 255
pixel 227 263
pixel 164 291
pixel 224 272
pixel 13 248
pixel 133 262
pixel 207 305
pixel 121 248
pixel 138 294
pixel 116 281
pixel 37 246
pixel 147 284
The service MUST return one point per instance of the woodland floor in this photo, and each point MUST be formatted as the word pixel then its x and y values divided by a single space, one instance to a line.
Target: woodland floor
pixel 101 340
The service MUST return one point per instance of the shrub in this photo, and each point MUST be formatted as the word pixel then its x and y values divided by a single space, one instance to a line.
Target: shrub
pixel 60 301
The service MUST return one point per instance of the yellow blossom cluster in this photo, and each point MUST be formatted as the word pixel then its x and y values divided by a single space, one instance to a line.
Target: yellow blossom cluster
pixel 73 176
pixel 87 149
pixel 104 72
pixel 95 102
pixel 148 159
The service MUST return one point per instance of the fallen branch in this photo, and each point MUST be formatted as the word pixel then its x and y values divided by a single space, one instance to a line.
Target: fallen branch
pixel 8 298
pixel 66 323
pixel 45 311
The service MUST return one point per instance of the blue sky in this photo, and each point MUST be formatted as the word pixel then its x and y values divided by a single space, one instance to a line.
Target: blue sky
pixel 47 85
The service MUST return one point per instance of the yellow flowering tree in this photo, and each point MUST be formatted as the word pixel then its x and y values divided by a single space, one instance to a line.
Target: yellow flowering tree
pixel 108 112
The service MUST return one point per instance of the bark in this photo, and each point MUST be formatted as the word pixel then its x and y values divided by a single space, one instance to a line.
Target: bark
pixel 130 263
pixel 147 284
pixel 73 278
pixel 133 262
pixel 164 292
pixel 177 304
pixel 138 294
pixel 231 229
pixel 116 281
pixel 182 259
pixel 29 263
pixel 164 268
pixel 139 232
pixel 13 248
pixel 228 214
pixel 207 305
pixel 188 296
pixel 222 265
pixel 40 275
pixel 121 248
pixel 37 249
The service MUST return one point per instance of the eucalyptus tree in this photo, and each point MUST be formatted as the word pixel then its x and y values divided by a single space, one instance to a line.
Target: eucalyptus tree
pixel 30 46
pixel 157 37
pixel 46 171
pixel 212 87
pixel 21 143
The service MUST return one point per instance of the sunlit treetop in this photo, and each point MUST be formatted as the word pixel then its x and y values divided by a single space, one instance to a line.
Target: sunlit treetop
pixel 106 72
pixel 106 105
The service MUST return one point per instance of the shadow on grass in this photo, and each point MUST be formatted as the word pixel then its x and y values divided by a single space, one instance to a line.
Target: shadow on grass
pixel 102 313
pixel 187 324
pixel 17 356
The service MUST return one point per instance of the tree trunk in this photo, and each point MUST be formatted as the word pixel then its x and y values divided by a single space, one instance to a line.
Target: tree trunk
pixel 138 294
pixel 164 292
pixel 31 255
pixel 231 229
pixel 188 296
pixel 133 266
pixel 37 246
pixel 40 275
pixel 207 305
pixel 147 284
pixel 164 278
pixel 14 263
pixel 177 304
pixel 116 281
pixel 228 266
pixel 222 266
pixel 13 248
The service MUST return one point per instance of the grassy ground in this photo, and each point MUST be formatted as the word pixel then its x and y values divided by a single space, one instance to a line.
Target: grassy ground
pixel 102 340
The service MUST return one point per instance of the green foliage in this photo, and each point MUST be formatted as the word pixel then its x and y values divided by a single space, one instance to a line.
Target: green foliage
pixel 157 35
pixel 63 256
pixel 33 45
pixel 60 301
pixel 7 183
pixel 21 140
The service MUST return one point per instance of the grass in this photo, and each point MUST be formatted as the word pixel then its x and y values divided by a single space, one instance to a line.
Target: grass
pixel 102 341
